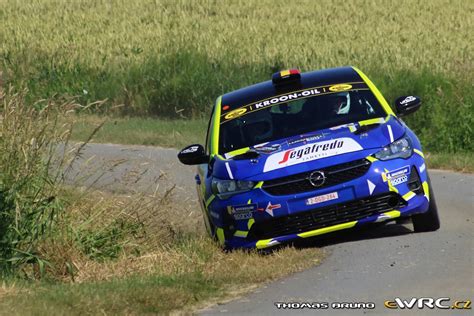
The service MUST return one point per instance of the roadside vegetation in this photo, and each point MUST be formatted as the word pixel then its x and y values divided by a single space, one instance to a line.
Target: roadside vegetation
pixel 69 249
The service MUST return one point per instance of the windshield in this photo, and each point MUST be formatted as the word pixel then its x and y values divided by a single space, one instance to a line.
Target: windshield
pixel 298 117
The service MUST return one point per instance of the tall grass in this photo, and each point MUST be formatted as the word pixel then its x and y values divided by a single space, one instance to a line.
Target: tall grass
pixel 29 203
pixel 172 58
pixel 44 224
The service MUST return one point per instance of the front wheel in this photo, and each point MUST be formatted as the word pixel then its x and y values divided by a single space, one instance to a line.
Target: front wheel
pixel 428 221
pixel 210 227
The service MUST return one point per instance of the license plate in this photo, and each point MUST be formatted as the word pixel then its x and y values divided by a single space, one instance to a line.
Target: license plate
pixel 322 198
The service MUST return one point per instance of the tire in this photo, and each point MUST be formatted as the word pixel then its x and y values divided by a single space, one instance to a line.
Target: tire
pixel 428 221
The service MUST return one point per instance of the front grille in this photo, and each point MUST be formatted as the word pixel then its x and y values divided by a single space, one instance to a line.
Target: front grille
pixel 299 183
pixel 327 216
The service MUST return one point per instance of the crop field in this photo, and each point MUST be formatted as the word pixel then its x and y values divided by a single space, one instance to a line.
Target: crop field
pixel 173 58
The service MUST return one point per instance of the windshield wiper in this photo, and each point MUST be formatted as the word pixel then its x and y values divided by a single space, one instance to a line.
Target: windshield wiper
pixel 250 154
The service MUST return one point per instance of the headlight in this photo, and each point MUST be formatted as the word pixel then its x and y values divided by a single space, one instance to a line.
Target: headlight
pixel 230 186
pixel 400 148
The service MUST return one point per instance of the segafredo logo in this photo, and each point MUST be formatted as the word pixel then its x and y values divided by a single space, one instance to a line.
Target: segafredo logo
pixel 311 152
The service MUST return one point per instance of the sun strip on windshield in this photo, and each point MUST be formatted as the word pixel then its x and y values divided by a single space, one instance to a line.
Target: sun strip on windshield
pixel 294 95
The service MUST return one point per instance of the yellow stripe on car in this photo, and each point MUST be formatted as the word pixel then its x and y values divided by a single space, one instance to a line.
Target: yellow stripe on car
pixel 241 233
pixel 266 243
pixel 371 159
pixel 329 229
pixel 209 200
pixel 258 185
pixel 250 223
pixel 409 196
pixel 392 214
pixel 387 215
pixel 237 152
pixel 419 152
pixel 389 183
pixel 220 235
pixel 372 121
pixel 214 148
pixel 427 190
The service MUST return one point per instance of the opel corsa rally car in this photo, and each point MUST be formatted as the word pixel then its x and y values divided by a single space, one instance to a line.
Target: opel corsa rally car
pixel 306 154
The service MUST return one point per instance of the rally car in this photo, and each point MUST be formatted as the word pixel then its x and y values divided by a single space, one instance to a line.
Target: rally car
pixel 305 154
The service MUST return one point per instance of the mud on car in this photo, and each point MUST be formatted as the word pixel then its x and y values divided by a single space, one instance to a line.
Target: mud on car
pixel 305 154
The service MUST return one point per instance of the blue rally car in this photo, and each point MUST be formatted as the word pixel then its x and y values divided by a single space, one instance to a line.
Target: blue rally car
pixel 306 154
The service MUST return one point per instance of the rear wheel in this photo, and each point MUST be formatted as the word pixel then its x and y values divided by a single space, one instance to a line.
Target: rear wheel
pixel 428 221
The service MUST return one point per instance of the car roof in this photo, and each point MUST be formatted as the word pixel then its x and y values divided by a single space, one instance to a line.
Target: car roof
pixel 309 79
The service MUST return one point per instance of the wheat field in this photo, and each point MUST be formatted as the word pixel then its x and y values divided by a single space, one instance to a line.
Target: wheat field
pixel 167 57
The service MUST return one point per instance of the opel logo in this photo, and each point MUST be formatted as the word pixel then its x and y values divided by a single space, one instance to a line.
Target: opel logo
pixel 317 178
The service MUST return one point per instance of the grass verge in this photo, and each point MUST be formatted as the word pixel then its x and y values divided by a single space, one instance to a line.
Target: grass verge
pixel 141 131
pixel 188 275
pixel 179 133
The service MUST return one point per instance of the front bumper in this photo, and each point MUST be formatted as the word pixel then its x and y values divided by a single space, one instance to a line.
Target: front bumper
pixel 295 218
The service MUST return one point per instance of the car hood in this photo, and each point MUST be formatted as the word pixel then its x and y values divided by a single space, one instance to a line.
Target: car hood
pixel 310 151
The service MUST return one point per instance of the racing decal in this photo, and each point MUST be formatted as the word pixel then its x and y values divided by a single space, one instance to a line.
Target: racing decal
pixel 322 198
pixel 371 186
pixel 422 167
pixel 235 113
pixel 244 211
pixel 229 172
pixel 390 133
pixel 270 207
pixel 311 152
pixel 398 176
pixel 295 95
pixel 407 100
pixel 242 216
pixel 189 150
pixel 340 87
pixel 306 139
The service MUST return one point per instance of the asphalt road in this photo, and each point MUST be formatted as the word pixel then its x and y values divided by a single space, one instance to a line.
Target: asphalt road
pixel 365 266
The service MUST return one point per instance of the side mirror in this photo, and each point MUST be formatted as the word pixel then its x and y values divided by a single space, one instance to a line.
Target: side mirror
pixel 407 104
pixel 193 155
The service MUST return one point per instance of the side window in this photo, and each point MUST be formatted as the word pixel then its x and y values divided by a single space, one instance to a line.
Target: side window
pixel 208 136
